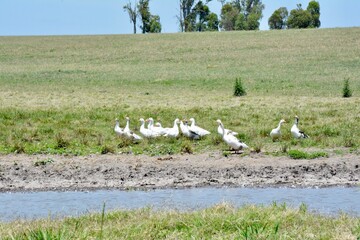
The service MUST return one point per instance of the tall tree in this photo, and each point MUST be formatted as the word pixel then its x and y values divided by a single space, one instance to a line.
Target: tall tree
pixel 144 14
pixel 299 18
pixel 242 15
pixel 314 9
pixel 278 19
pixel 228 17
pixel 195 15
pixel 132 13
pixel 201 12
pixel 185 17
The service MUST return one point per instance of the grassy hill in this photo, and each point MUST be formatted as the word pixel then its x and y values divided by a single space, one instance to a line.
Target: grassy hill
pixel 62 93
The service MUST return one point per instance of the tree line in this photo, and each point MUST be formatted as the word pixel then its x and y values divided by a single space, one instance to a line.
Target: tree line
pixel 236 15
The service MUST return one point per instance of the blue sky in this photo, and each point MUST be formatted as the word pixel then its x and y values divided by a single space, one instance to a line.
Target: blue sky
pixel 72 17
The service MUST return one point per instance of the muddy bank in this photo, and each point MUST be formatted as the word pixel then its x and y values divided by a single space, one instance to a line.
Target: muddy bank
pixel 52 172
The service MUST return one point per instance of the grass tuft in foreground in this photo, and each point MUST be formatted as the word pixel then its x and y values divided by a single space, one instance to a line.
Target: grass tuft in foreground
pixel 219 222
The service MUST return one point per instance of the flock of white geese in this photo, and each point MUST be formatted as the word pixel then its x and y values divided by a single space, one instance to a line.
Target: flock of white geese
pixel 193 131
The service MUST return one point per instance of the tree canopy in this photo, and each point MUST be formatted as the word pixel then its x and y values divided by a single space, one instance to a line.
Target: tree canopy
pixel 278 19
pixel 150 23
pixel 196 16
pixel 298 18
pixel 314 9
pixel 241 15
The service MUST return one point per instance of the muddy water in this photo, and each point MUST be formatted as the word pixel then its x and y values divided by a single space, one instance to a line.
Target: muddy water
pixel 33 205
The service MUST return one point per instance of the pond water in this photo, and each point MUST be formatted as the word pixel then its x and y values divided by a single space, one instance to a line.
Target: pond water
pixel 33 205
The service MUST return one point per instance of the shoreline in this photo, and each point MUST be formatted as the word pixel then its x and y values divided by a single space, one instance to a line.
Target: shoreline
pixel 24 173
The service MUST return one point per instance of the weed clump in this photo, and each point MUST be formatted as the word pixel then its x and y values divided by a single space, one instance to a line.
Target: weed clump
pixel 187 148
pixel 43 162
pixel 239 90
pixel 346 90
pixel 107 149
pixel 296 154
pixel 61 142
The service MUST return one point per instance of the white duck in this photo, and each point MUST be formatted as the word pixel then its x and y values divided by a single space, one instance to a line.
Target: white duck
pixel 128 133
pixel 187 132
pixel 174 131
pixel 118 130
pixel 196 129
pixel 231 140
pixel 159 130
pixel 276 133
pixel 295 131
pixel 220 131
pixel 147 132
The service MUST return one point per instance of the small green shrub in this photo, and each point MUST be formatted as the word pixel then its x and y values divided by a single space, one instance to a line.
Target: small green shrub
pixel 296 154
pixel 346 90
pixel 239 90
pixel 107 149
pixel 318 154
pixel 18 148
pixel 61 142
pixel 186 147
pixel 43 162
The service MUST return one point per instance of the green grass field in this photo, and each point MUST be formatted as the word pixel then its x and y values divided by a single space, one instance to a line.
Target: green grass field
pixel 61 94
pixel 218 222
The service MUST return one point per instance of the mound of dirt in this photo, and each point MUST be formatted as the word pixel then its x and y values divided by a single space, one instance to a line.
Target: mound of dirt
pixel 53 172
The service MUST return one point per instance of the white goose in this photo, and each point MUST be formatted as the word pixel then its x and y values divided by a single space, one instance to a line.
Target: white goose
pixel 196 129
pixel 147 132
pixel 220 131
pixel 118 130
pixel 276 133
pixel 295 131
pixel 128 133
pixel 183 129
pixel 159 130
pixel 231 140
pixel 174 131
pixel 187 132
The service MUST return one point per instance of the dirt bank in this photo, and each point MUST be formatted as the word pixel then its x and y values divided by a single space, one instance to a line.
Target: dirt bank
pixel 52 172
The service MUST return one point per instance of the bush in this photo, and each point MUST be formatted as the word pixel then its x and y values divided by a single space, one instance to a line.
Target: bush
pixel 238 88
pixel 346 90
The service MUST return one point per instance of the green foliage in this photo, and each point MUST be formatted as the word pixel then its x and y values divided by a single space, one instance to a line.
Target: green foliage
pixel 241 15
pixel 297 154
pixel 212 22
pixel 186 147
pixel 278 19
pixel 107 149
pixel 239 90
pixel 299 18
pixel 309 18
pixel 144 14
pixel 150 23
pixel 155 25
pixel 314 9
pixel 43 162
pixel 229 15
pixel 346 89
